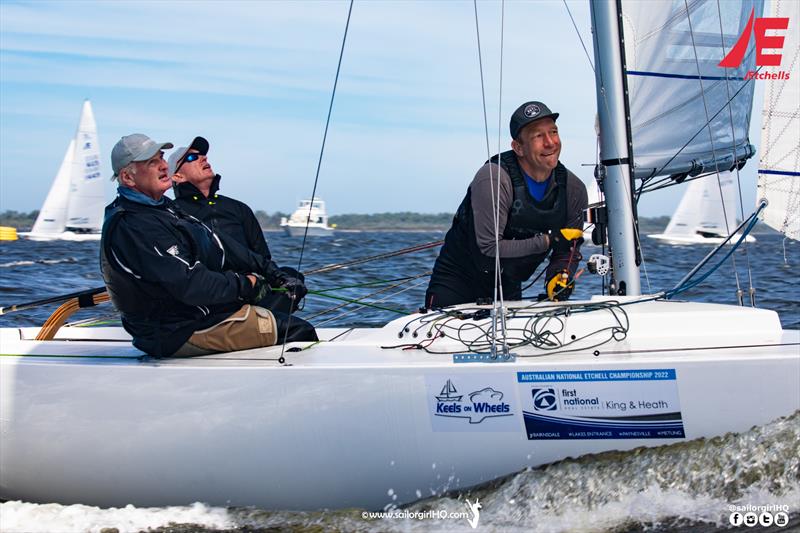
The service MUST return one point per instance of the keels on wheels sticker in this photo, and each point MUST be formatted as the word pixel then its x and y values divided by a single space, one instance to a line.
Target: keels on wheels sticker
pixel 484 402
pixel 601 404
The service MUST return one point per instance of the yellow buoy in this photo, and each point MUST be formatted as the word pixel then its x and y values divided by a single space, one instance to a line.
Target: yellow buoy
pixel 8 233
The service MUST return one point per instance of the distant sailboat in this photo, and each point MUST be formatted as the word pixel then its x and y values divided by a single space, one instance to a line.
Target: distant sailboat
pixel 703 217
pixel 73 209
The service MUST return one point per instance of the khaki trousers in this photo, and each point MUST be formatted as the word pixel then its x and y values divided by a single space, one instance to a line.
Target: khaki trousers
pixel 249 327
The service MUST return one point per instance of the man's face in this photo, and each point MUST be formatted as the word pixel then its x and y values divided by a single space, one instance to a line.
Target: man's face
pixel 538 148
pixel 148 177
pixel 195 168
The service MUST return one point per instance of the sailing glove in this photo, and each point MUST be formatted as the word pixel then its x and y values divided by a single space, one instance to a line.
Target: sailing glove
pixel 563 239
pixel 559 287
pixel 294 287
pixel 259 290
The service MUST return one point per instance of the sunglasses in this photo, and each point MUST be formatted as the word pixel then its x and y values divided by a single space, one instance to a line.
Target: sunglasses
pixel 188 159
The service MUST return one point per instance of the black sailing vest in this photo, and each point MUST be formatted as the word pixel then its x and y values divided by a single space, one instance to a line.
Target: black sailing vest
pixel 526 218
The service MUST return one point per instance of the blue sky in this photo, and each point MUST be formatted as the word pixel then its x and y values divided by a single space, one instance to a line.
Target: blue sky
pixel 255 78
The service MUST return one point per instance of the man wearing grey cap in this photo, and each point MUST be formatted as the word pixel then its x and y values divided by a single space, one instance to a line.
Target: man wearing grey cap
pixel 164 269
pixel 539 201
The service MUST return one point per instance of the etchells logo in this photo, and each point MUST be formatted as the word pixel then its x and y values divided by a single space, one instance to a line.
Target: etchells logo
pixel 476 406
pixel 758 27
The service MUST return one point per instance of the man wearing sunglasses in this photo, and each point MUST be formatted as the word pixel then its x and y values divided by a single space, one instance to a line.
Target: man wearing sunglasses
pixel 196 187
pixel 165 271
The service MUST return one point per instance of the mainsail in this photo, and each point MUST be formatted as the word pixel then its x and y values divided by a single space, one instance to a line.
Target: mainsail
pixel 53 215
pixel 678 95
pixel 779 165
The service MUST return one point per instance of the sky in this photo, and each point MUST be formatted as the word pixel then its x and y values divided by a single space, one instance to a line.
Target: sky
pixel 255 78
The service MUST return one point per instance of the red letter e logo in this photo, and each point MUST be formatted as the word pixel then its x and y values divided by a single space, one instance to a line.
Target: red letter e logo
pixel 736 55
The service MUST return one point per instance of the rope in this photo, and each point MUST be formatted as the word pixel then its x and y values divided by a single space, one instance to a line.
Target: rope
pixel 410 249
pixel 684 284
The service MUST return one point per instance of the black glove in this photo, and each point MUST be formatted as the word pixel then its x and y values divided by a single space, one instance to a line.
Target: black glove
pixel 294 287
pixel 559 242
pixel 559 287
pixel 259 290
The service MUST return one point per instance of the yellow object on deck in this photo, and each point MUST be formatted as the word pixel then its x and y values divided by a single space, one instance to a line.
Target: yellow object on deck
pixel 8 233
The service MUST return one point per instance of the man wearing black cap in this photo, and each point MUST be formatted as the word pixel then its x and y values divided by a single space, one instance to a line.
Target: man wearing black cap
pixel 196 187
pixel 538 197
pixel 164 270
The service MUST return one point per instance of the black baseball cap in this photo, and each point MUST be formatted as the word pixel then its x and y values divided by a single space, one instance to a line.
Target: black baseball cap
pixel 527 113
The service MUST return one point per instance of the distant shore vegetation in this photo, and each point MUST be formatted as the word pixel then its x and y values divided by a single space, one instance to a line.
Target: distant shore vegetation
pixel 403 221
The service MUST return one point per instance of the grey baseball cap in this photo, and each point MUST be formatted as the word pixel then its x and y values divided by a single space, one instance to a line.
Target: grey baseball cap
pixel 527 113
pixel 134 147
pixel 177 157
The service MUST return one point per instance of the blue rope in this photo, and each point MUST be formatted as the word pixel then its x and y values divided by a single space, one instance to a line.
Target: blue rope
pixel 685 285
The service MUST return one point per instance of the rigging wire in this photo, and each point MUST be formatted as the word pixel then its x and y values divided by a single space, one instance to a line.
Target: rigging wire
pixel 319 161
pixel 495 196
pixel 574 25
pixel 711 136
pixel 498 304
pixel 738 177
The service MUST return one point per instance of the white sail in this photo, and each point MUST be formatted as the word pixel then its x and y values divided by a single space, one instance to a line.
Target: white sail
pixel 706 213
pixel 674 83
pixel 779 165
pixel 53 215
pixel 73 209
pixel 87 193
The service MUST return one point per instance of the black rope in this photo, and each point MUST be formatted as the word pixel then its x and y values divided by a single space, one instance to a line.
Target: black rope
pixel 319 162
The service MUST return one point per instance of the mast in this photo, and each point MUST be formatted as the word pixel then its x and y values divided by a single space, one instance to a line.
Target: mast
pixel 615 145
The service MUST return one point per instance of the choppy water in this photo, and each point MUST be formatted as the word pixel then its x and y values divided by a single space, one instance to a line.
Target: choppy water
pixel 690 486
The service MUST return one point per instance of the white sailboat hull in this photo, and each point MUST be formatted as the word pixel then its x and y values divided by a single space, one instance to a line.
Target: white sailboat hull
pixel 346 423
pixel 63 236
pixel 697 239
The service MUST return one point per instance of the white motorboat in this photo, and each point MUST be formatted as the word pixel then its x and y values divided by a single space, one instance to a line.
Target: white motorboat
pixel 73 209
pixel 428 403
pixel 310 218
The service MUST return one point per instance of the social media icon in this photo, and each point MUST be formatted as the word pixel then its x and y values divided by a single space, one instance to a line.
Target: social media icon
pixel 765 519
pixel 781 519
pixel 736 519
pixel 750 519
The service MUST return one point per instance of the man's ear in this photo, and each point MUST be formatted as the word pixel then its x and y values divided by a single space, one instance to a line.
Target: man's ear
pixel 126 178
pixel 517 147
pixel 178 178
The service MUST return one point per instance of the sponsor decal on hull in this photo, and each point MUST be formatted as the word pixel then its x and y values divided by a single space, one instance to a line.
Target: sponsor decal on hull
pixel 601 404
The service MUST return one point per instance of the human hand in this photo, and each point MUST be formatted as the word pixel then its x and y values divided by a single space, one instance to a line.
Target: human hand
pixel 294 287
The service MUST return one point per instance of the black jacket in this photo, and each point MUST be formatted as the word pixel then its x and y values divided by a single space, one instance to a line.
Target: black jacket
pixel 164 273
pixel 235 223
